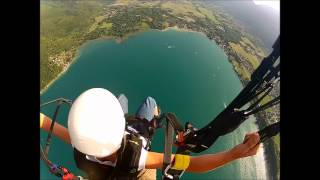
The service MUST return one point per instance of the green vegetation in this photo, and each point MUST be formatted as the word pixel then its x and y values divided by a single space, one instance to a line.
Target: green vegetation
pixel 266 99
pixel 181 8
pixel 94 26
pixel 255 49
pixel 66 25
pixel 276 142
pixel 231 35
pixel 240 51
pixel 208 14
pixel 241 70
pixel 62 26
pixel 107 26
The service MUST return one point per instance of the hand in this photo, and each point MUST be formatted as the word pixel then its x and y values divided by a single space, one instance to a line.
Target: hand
pixel 248 147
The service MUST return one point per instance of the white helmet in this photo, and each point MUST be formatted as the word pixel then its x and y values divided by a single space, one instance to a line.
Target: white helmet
pixel 96 123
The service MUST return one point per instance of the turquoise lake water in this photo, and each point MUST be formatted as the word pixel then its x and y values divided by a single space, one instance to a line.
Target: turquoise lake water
pixel 184 71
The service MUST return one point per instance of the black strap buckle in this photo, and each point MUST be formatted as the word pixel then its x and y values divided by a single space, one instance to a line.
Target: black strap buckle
pixel 174 174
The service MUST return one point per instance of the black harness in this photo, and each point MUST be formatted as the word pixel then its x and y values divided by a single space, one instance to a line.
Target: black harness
pixel 128 155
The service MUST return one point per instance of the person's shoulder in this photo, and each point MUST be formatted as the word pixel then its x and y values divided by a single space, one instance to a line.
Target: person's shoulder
pixel 130 117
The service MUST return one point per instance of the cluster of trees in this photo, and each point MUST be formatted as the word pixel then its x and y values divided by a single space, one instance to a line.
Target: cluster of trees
pixel 128 20
pixel 230 35
pixel 98 32
pixel 62 26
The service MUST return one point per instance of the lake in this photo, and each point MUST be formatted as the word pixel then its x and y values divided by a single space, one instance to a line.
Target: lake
pixel 186 73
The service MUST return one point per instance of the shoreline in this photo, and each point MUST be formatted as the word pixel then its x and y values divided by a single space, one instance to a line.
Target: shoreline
pixel 76 56
pixel 53 80
pixel 176 28
pixel 128 35
pixel 261 163
pixel 119 40
pixel 65 69
pixel 108 37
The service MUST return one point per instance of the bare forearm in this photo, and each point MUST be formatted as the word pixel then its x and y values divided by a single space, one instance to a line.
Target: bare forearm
pixel 58 130
pixel 201 163
pixel 155 160
pixel 248 147
pixel 209 162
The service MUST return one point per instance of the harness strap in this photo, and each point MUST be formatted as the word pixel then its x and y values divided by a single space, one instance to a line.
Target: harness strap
pixel 181 161
pixel 46 149
pixel 167 148
pixel 271 103
pixel 269 131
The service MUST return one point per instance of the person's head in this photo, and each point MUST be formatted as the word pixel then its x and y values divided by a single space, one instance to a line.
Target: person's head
pixel 96 123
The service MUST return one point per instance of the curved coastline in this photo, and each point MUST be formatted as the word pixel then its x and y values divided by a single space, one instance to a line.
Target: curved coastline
pixel 117 40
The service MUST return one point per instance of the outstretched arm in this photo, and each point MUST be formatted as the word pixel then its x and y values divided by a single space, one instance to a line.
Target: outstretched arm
pixel 209 162
pixel 58 130
pixel 200 163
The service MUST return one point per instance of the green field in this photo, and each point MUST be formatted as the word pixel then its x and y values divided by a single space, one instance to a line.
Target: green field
pixel 241 70
pixel 62 26
pixel 240 50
